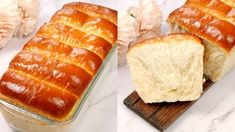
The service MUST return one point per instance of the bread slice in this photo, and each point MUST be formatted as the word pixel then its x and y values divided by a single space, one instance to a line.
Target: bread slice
pixel 218 37
pixel 167 69
pixel 229 2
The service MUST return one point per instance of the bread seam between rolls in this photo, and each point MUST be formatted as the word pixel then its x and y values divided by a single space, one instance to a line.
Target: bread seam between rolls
pixel 74 42
pixel 96 33
pixel 60 59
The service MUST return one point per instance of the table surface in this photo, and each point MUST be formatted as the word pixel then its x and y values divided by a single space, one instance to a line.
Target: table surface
pixel 101 114
pixel 213 112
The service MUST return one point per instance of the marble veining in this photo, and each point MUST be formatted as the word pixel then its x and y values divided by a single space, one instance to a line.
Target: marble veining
pixel 220 119
pixel 100 100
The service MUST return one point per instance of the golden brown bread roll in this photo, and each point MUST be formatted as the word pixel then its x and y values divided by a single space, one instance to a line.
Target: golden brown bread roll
pixel 92 25
pixel 52 72
pixel 53 49
pixel 94 11
pixel 36 95
pixel 75 38
pixel 62 74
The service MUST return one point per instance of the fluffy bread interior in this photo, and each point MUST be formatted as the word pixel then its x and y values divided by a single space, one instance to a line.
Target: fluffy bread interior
pixel 214 61
pixel 217 62
pixel 168 70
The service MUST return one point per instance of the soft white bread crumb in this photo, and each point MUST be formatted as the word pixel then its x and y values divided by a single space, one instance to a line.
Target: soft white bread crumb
pixel 167 69
pixel 217 61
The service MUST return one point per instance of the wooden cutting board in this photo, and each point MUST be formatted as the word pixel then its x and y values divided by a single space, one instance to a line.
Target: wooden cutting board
pixel 160 115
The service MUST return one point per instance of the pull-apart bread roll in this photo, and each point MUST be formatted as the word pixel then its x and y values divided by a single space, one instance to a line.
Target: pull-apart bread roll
pixel 167 69
pixel 218 36
pixel 51 74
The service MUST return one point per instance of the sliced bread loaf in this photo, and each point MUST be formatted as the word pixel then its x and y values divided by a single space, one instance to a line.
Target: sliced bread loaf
pixel 218 37
pixel 167 69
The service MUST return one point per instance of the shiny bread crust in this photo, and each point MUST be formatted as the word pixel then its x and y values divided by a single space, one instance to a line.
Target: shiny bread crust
pixel 205 26
pixel 88 24
pixel 51 74
pixel 94 11
pixel 214 8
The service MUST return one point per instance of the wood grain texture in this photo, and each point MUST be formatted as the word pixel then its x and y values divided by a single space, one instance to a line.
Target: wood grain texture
pixel 160 115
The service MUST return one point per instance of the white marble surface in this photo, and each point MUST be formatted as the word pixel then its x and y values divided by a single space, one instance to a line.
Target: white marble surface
pixel 213 112
pixel 101 114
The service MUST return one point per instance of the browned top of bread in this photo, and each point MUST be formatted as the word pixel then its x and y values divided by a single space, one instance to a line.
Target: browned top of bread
pixel 215 8
pixel 94 11
pixel 56 50
pixel 88 24
pixel 75 38
pixel 35 95
pixel 175 37
pixel 51 74
pixel 205 26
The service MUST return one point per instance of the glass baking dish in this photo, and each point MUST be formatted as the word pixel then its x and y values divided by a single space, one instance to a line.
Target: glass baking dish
pixel 22 120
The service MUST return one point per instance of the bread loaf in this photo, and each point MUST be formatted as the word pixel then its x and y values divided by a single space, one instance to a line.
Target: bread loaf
pixel 167 69
pixel 51 74
pixel 218 38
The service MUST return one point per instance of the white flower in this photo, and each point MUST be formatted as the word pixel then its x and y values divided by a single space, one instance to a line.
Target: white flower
pixel 17 17
pixel 29 11
pixel 9 19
